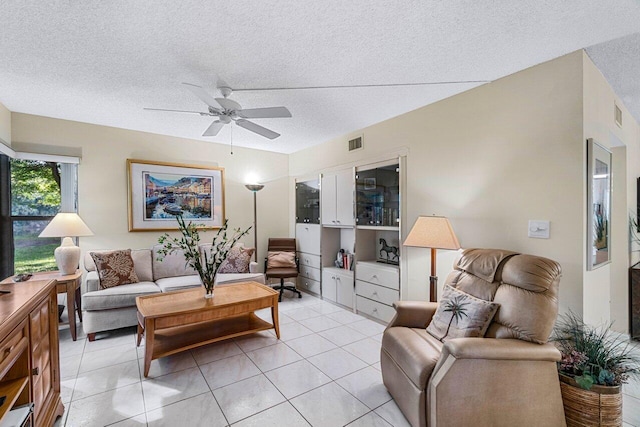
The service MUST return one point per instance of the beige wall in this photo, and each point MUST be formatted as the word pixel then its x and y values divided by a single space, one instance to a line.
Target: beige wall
pixel 606 288
pixel 5 126
pixel 490 159
pixel 102 177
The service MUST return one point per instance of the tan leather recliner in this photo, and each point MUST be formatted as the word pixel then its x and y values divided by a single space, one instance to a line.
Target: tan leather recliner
pixel 509 377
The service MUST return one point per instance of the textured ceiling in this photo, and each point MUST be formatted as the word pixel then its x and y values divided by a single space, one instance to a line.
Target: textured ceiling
pixel 103 61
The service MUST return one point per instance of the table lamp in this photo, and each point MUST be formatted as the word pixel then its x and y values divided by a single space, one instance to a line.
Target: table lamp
pixel 67 225
pixel 433 232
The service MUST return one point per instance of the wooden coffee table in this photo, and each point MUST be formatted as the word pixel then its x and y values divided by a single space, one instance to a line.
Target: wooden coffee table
pixel 178 321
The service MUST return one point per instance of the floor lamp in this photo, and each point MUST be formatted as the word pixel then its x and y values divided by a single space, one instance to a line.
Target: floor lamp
pixel 433 232
pixel 254 188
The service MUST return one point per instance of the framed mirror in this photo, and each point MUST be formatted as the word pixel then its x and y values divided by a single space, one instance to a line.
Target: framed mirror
pixel 598 205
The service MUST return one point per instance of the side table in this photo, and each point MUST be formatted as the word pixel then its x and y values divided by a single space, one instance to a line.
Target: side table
pixel 65 284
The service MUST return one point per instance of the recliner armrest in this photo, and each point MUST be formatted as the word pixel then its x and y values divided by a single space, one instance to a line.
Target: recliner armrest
pixel 499 349
pixel 413 314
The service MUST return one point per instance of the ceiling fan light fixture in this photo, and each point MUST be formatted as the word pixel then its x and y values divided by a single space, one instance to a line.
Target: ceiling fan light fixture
pixel 225 119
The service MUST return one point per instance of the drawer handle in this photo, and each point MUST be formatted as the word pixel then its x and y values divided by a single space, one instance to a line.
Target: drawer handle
pixel 35 371
pixel 375 310
pixel 7 351
pixel 375 276
pixel 375 293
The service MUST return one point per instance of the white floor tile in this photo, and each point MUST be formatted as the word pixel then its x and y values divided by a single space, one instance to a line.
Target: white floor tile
pixel 169 364
pixel 228 371
pixel 69 366
pixel 119 337
pixel 106 408
pixel 216 351
pixel 162 391
pixel 370 420
pixel 326 308
pixel 293 330
pixel 106 357
pixel 201 410
pixel 631 410
pixel 68 347
pixel 138 421
pixel 329 406
pixel 342 335
pixel 297 378
pixel 281 415
pixel 367 327
pixel 302 313
pixel 66 390
pixel 311 345
pixel 105 379
pixel 345 317
pixel 366 385
pixel 247 397
pixel 337 363
pixel 320 323
pixel 367 350
pixel 392 414
pixel 257 340
pixel 274 356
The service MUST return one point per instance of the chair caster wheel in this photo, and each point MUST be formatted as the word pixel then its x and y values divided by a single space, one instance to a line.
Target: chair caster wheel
pixel 299 295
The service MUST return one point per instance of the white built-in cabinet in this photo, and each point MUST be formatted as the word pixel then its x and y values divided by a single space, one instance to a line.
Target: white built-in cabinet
pixel 359 208
pixel 337 198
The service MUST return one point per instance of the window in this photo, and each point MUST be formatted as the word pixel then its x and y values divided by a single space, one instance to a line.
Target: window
pixel 38 191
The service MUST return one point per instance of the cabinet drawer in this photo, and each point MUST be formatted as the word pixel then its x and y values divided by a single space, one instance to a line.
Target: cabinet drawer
pixel 308 236
pixel 13 344
pixel 374 309
pixel 309 260
pixel 309 285
pixel 378 274
pixel 377 293
pixel 310 272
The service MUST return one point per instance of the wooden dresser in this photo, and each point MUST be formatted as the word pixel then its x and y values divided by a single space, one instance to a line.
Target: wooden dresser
pixel 29 351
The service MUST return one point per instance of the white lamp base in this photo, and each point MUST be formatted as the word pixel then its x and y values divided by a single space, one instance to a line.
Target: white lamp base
pixel 67 256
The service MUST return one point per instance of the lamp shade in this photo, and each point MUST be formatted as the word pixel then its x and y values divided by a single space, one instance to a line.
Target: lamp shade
pixel 254 187
pixel 432 232
pixel 66 224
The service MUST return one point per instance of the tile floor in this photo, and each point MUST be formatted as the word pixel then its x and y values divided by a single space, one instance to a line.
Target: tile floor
pixel 325 371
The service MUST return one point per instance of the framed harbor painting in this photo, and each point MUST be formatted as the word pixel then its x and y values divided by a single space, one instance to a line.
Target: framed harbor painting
pixel 159 191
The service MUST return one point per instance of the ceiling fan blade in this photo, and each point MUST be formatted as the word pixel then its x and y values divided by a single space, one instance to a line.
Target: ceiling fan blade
pixel 214 128
pixel 265 113
pixel 257 129
pixel 178 111
pixel 228 104
pixel 202 94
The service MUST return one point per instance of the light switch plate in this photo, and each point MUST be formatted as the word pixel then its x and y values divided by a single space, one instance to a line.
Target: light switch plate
pixel 539 229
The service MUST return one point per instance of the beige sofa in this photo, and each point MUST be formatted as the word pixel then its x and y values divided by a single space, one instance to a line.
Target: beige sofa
pixel 113 308
pixel 507 378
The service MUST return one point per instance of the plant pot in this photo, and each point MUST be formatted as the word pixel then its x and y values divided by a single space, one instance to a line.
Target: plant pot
pixel 599 406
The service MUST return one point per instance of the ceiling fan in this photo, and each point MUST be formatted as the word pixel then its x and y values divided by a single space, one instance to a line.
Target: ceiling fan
pixel 228 110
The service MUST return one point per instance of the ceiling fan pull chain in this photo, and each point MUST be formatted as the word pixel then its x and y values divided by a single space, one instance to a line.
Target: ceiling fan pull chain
pixel 231 139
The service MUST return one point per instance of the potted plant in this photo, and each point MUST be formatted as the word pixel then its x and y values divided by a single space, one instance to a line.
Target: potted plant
pixel 207 264
pixel 595 363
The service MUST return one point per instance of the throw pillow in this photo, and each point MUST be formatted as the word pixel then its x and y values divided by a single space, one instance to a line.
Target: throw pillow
pixel 114 268
pixel 237 260
pixel 281 260
pixel 461 315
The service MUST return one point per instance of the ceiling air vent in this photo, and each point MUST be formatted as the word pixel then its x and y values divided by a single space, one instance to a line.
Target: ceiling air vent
pixel 355 143
pixel 617 114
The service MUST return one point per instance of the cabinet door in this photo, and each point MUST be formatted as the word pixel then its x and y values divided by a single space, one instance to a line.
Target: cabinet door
pixel 44 355
pixel 308 236
pixel 328 196
pixel 344 290
pixel 344 198
pixel 329 285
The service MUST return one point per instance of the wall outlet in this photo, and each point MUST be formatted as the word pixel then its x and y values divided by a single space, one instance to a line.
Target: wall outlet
pixel 539 229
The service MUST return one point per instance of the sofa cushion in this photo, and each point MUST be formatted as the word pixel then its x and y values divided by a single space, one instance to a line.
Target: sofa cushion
pixel 117 297
pixel 115 268
pixel 414 351
pixel 141 261
pixel 224 278
pixel 237 260
pixel 168 284
pixel 172 265
pixel 474 316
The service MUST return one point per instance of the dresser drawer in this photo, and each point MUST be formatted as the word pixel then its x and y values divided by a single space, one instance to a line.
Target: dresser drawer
pixel 308 236
pixel 377 293
pixel 310 272
pixel 309 260
pixel 382 275
pixel 374 309
pixel 309 285
pixel 13 344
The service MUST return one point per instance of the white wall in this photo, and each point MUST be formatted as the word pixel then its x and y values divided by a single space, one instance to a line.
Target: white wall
pixel 606 288
pixel 102 177
pixel 490 159
pixel 5 126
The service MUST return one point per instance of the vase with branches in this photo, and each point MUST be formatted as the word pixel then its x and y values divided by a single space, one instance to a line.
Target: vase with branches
pixel 457 307
pixel 206 264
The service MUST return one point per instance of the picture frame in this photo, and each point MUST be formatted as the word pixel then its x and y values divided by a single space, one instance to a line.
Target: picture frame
pixel 598 205
pixel 160 190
